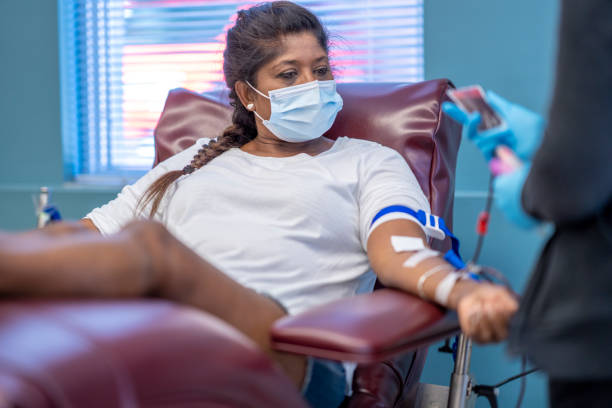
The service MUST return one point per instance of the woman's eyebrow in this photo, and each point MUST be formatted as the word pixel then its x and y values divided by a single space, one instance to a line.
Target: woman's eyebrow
pixel 285 62
pixel 296 62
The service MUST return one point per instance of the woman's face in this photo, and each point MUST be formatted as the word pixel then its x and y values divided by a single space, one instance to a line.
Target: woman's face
pixel 301 60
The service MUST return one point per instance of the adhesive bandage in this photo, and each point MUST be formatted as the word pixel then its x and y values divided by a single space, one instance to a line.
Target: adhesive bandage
pixel 445 287
pixel 428 274
pixel 403 244
pixel 419 257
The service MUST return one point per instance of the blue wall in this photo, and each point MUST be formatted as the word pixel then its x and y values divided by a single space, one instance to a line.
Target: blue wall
pixel 29 97
pixel 30 128
pixel 505 46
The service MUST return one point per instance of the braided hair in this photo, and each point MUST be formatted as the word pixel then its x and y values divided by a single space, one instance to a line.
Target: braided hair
pixel 252 42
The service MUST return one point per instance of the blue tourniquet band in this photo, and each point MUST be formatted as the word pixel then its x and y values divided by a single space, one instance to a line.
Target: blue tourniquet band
pixel 429 222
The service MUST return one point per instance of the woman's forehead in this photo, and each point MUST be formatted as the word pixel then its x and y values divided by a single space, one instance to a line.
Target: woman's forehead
pixel 300 47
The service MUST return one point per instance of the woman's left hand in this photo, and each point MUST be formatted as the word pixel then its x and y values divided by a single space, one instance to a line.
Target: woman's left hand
pixel 485 311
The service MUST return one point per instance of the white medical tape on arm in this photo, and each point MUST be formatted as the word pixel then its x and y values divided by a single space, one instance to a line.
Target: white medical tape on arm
pixel 419 257
pixel 445 287
pixel 428 274
pixel 403 244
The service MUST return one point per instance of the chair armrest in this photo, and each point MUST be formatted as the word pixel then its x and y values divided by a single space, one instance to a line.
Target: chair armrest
pixel 364 328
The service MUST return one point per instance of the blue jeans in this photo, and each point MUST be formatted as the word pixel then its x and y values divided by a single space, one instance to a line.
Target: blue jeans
pixel 324 384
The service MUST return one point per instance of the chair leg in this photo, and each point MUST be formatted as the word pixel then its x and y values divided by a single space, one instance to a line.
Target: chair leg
pixel 459 394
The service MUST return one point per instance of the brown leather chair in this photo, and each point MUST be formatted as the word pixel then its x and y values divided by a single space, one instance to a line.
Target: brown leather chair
pixel 153 353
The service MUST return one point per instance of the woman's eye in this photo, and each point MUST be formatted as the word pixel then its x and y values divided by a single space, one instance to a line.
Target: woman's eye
pixel 322 71
pixel 287 75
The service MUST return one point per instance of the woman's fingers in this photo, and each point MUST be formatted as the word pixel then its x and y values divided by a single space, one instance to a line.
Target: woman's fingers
pixel 501 306
pixel 498 322
pixel 485 313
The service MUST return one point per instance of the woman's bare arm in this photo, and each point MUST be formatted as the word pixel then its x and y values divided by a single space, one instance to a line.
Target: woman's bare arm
pixel 484 310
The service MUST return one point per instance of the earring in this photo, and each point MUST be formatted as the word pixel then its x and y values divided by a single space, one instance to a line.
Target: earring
pixel 250 106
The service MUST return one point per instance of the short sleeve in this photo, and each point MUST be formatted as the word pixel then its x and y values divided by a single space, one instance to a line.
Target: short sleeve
pixel 386 179
pixel 111 217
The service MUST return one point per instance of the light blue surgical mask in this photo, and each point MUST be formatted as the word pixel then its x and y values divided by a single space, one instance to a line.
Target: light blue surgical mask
pixel 302 112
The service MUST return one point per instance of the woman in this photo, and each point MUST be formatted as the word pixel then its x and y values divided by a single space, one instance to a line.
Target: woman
pixel 284 211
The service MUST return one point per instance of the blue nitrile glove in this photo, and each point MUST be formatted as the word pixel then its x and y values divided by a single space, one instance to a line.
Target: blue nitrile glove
pixel 526 126
pixel 508 189
pixel 522 132
pixel 486 140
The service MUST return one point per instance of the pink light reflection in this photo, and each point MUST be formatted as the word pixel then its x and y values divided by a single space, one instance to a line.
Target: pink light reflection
pixel 149 71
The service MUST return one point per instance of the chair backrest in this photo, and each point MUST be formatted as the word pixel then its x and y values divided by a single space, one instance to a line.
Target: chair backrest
pixel 405 117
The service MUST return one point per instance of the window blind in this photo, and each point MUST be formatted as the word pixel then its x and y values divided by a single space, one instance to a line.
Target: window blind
pixel 121 57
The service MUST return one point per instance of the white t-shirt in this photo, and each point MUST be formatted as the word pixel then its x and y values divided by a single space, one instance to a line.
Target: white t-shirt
pixel 292 227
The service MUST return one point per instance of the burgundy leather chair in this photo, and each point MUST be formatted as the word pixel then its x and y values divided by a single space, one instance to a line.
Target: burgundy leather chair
pixel 408 119
pixel 153 353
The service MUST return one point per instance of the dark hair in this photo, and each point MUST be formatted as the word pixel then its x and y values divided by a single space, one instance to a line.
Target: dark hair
pixel 254 40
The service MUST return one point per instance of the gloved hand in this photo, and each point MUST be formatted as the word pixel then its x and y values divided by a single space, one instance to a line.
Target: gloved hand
pixel 522 132
pixel 508 188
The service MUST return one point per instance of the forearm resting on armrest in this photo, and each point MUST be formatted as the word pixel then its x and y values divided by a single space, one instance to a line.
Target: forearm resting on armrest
pixel 484 309
pixel 393 271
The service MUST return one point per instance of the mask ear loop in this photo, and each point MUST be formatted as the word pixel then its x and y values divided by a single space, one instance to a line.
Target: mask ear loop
pixel 250 106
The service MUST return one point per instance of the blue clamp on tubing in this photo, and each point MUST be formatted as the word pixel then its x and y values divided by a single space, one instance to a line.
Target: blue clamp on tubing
pixel 432 223
pixel 53 213
pixel 454 347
